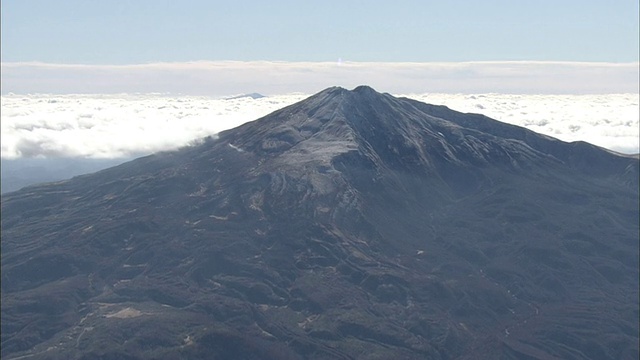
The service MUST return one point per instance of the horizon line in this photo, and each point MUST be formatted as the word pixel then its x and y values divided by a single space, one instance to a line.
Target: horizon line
pixel 337 61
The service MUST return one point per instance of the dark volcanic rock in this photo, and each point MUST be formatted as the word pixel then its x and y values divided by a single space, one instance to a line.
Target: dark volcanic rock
pixel 350 225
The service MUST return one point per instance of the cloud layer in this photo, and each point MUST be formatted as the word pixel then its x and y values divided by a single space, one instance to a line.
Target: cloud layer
pixel 118 126
pixel 110 126
pixel 219 78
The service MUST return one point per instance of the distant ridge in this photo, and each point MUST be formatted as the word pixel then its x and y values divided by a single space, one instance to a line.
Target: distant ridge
pixel 251 95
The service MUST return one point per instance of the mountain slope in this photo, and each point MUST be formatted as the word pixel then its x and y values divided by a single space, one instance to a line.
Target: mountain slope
pixel 350 225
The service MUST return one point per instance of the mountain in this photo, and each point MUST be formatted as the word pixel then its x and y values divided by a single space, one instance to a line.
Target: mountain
pixel 350 225
pixel 251 95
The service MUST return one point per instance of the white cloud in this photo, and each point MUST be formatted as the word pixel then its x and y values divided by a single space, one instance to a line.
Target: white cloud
pixel 218 78
pixel 109 126
pixel 120 125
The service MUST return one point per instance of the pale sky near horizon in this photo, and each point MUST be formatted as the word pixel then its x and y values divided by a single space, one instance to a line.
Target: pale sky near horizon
pixel 120 32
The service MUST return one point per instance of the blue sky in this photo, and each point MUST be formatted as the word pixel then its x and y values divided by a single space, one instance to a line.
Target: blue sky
pixel 138 32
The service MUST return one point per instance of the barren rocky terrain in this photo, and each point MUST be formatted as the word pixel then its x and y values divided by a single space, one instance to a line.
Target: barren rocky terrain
pixel 351 225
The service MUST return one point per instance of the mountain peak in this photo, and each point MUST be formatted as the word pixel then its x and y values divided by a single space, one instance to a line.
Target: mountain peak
pixel 399 132
pixel 364 89
pixel 358 92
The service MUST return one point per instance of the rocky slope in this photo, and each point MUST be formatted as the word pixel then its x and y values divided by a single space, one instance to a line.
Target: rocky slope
pixel 351 225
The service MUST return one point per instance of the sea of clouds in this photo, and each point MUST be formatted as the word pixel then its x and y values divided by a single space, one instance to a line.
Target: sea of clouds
pixel 126 125
pixel 121 125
